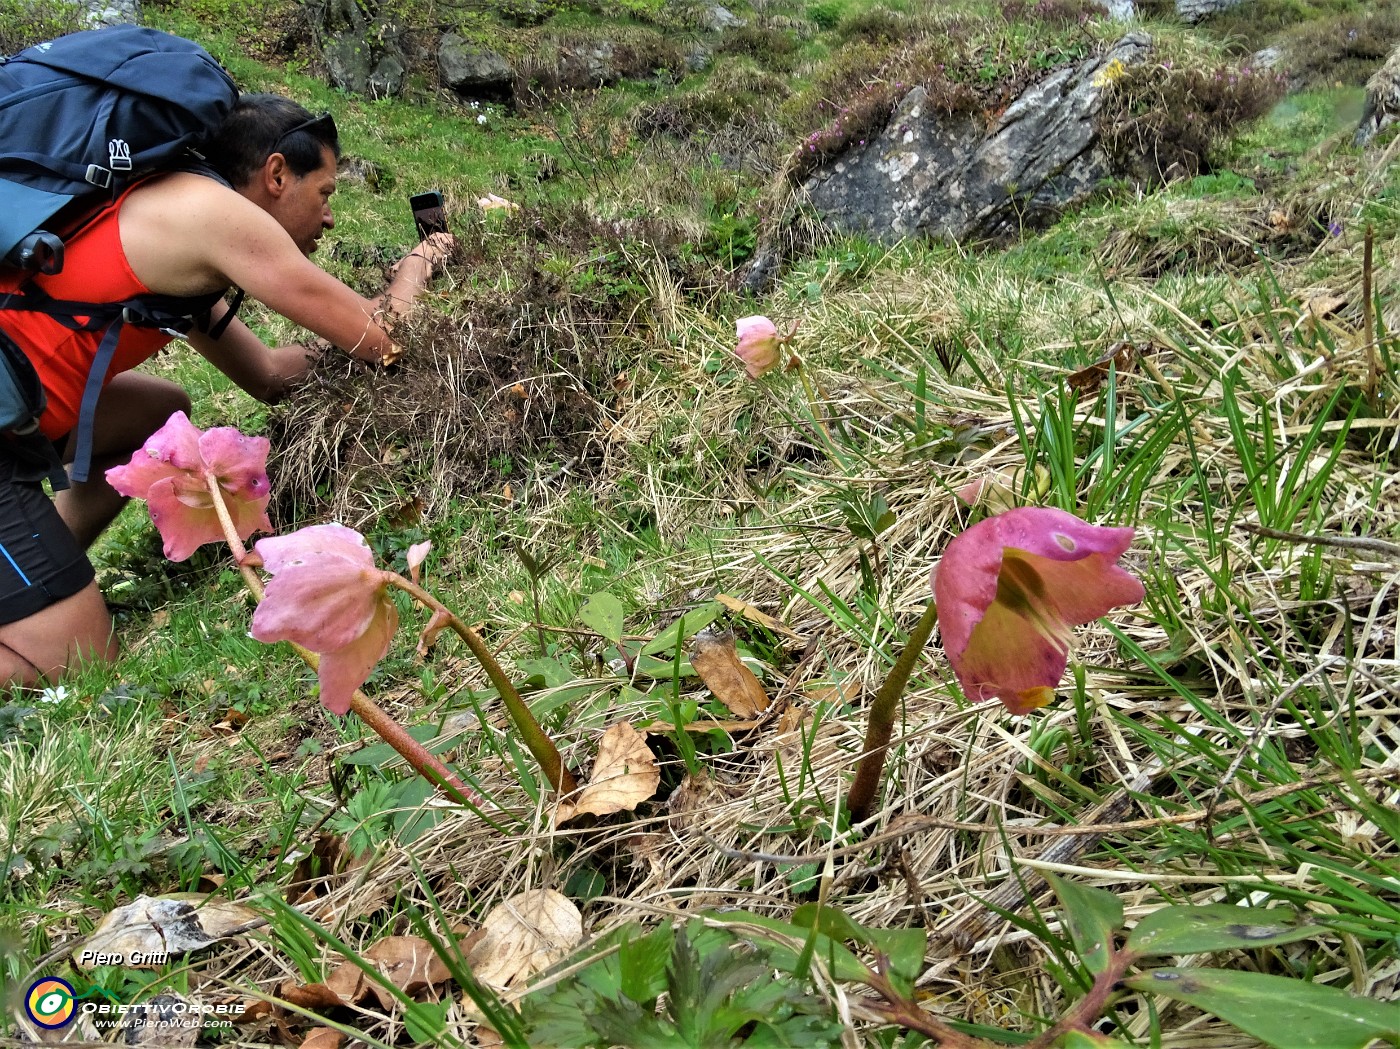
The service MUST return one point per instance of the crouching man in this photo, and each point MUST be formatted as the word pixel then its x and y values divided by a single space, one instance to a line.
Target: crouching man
pixel 188 236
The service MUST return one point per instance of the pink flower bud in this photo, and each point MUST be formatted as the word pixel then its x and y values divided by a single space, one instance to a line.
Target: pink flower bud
pixel 758 345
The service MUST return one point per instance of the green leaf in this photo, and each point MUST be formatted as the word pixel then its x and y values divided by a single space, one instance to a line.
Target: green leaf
pixel 604 614
pixel 905 950
pixel 545 672
pixel 1093 916
pixel 664 643
pixel 1283 1013
pixel 832 921
pixel 642 963
pixel 1216 927
pixel 843 964
pixel 426 1021
pixel 381 754
pixel 1091 1040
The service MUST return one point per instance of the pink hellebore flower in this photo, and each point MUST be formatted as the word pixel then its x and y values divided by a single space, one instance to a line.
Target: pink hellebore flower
pixel 1009 589
pixel 326 595
pixel 172 471
pixel 758 345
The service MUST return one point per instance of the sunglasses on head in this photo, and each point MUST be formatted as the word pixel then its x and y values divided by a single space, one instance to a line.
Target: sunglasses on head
pixel 323 118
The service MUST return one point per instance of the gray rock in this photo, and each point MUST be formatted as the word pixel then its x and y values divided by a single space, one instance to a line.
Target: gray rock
pixel 1382 106
pixel 1196 10
pixel 473 71
pixel 716 19
pixel 928 175
pixel 1120 10
pixel 98 13
pixel 591 64
pixel 374 69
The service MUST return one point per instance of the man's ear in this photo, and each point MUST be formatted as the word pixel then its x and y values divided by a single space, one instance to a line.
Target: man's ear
pixel 275 174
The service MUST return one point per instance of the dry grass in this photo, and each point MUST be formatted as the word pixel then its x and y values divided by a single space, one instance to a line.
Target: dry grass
pixel 973 802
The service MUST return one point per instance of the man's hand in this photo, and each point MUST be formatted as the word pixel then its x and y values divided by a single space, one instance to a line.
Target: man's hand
pixel 435 251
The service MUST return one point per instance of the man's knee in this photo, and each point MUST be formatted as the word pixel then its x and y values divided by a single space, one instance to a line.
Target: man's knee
pixel 75 630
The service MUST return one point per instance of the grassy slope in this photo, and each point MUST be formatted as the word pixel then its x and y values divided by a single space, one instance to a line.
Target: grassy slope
pixel 1256 664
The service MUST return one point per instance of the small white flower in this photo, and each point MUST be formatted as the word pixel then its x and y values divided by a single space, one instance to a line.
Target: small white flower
pixel 476 105
pixel 481 119
pixel 53 695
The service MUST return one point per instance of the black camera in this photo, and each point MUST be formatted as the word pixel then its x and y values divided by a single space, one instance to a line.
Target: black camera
pixel 428 213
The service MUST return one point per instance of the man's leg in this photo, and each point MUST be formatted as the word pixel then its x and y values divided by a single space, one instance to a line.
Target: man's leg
pixel 51 613
pixel 42 645
pixel 133 406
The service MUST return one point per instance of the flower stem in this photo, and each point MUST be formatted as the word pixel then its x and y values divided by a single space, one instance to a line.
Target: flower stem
pixel 880 725
pixel 536 739
pixel 394 734
pixel 816 413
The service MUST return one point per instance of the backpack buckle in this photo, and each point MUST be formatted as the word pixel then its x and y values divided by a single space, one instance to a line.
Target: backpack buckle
pixel 99 176
pixel 119 154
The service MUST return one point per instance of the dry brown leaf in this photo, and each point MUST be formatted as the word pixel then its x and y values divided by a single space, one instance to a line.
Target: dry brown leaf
pixel 753 615
pixel 322 1038
pixel 624 775
pixel 524 935
pixel 1091 376
pixel 717 662
pixel 319 996
pixel 407 962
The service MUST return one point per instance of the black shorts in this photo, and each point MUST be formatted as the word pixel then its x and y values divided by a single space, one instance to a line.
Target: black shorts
pixel 40 561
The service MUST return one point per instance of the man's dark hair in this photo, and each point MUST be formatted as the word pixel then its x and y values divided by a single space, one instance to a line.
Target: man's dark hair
pixel 261 125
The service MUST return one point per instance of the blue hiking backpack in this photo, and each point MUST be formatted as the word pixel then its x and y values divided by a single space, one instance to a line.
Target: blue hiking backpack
pixel 82 118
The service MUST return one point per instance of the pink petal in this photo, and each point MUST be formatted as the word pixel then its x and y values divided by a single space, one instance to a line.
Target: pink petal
pixel 346 669
pixel 184 524
pixel 238 461
pixel 324 592
pixel 172 449
pixel 314 542
pixel 1009 589
pixel 177 443
pixel 136 477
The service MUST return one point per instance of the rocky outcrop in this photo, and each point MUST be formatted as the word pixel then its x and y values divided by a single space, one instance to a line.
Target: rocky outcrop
pixel 110 12
pixel 1196 10
pixel 1120 10
pixel 364 50
pixel 1382 100
pixel 929 175
pixel 473 72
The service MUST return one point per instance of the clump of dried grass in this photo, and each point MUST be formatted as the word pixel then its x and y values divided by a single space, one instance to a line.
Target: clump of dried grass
pixel 499 383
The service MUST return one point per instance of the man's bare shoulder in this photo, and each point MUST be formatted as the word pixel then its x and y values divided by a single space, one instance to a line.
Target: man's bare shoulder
pixel 174 231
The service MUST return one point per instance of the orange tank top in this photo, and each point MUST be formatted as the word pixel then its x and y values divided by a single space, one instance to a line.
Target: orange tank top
pixel 95 269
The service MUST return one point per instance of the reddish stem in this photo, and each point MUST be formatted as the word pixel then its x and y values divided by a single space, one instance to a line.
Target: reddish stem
pixel 389 730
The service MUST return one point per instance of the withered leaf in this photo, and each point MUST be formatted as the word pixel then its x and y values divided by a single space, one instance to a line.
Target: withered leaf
pixel 524 935
pixel 624 775
pixel 409 963
pixel 322 1038
pixel 1091 376
pixel 754 615
pixel 717 662
pixel 173 924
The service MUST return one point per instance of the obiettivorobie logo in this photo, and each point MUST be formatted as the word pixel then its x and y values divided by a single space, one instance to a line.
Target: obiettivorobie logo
pixel 51 1002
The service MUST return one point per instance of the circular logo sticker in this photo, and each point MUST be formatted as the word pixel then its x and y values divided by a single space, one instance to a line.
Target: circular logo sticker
pixel 49 1002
